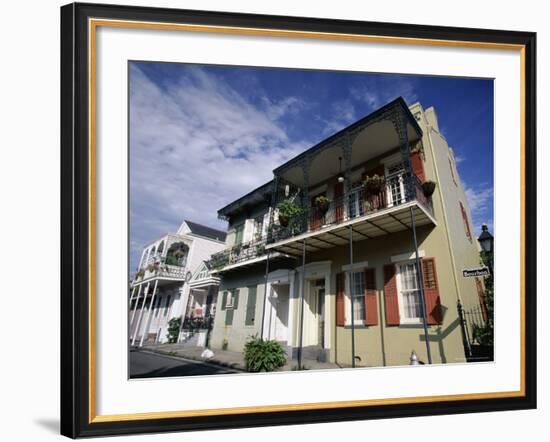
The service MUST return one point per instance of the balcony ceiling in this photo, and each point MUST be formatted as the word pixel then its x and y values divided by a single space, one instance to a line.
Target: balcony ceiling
pixel 371 142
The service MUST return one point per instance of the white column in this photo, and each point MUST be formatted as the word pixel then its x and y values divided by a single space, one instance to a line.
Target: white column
pixel 147 321
pixel 327 307
pixel 291 305
pixel 135 307
pixel 140 314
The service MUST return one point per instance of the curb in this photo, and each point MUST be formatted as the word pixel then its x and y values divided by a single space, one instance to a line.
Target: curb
pixel 212 361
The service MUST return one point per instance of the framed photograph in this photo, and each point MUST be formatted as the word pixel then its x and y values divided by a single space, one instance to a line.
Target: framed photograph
pixel 274 220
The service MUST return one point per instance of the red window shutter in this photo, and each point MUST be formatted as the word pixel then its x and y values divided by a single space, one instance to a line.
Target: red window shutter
pixel 431 291
pixel 371 310
pixel 466 223
pixel 390 295
pixel 340 302
pixel 417 166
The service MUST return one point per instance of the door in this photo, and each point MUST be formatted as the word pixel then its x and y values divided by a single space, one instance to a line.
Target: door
pixel 321 315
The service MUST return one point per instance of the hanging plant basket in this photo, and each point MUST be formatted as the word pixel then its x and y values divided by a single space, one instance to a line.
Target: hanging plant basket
pixel 374 184
pixel 322 204
pixel 428 188
pixel 283 220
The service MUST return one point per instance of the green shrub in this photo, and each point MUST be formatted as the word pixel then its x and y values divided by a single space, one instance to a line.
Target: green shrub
pixel 174 326
pixel 263 355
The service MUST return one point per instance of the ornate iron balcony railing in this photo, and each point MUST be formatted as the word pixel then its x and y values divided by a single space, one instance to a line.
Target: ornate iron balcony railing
pixel 358 202
pixel 238 253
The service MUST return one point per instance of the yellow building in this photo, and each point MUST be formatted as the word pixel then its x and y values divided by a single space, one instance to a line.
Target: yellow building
pixel 346 251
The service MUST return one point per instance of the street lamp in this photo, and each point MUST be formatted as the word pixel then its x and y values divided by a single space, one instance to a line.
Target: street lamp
pixel 485 239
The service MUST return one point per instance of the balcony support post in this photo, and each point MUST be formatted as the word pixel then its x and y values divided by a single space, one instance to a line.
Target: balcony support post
pixel 148 320
pixel 137 300
pixel 271 209
pixel 419 280
pixel 400 125
pixel 306 164
pixel 352 298
pixel 346 152
pixel 136 330
pixel 302 297
pixel 265 293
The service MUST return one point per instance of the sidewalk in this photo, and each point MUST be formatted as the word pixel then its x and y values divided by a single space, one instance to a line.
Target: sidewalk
pixel 230 359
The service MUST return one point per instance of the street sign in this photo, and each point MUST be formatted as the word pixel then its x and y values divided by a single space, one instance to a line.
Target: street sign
pixel 471 273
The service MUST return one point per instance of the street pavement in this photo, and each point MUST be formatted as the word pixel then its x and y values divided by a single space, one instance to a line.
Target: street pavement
pixel 148 365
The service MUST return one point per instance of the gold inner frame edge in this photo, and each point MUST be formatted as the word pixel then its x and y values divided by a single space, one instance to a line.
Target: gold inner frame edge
pixel 93 24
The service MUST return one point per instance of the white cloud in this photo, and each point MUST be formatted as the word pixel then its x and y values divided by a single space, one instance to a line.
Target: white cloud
pixel 342 114
pixel 480 198
pixel 378 91
pixel 196 145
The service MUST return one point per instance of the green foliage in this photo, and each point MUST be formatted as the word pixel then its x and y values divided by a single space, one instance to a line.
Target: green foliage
pixel 219 260
pixel 485 335
pixel 263 355
pixel 289 208
pixel 173 330
pixel 321 201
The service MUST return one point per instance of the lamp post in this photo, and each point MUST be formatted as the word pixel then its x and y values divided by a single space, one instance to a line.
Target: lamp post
pixel 486 241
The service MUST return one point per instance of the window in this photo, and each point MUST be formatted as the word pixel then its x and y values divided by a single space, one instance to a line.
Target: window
pixel 239 231
pixel 230 304
pixel 157 306
pixel 250 306
pixel 358 291
pixel 452 171
pixel 409 293
pixel 466 223
pixel 258 227
pixel 229 300
pixel 168 299
pixel 395 184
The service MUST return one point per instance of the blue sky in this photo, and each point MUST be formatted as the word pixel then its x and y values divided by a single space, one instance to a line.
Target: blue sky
pixel 201 136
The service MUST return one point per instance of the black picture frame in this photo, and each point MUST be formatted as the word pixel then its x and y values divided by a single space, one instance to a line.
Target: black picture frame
pixel 75 221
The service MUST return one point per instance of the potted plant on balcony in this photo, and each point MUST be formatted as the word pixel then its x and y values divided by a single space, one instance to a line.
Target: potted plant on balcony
pixel 322 204
pixel 288 209
pixel 140 274
pixel 428 188
pixel 374 184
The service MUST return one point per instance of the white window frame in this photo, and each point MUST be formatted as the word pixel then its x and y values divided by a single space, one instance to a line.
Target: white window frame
pixel 389 195
pixel 358 267
pixel 229 301
pixel 400 301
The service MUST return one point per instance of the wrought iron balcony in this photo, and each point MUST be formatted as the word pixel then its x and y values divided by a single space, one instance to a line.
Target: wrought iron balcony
pixel 354 205
pixel 238 254
pixel 168 267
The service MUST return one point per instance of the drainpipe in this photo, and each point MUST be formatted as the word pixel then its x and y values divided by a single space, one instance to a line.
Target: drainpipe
pixel 351 296
pixel 301 341
pixel 420 286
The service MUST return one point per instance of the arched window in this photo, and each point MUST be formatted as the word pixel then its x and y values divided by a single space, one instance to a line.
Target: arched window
pixel 160 247
pixel 176 254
